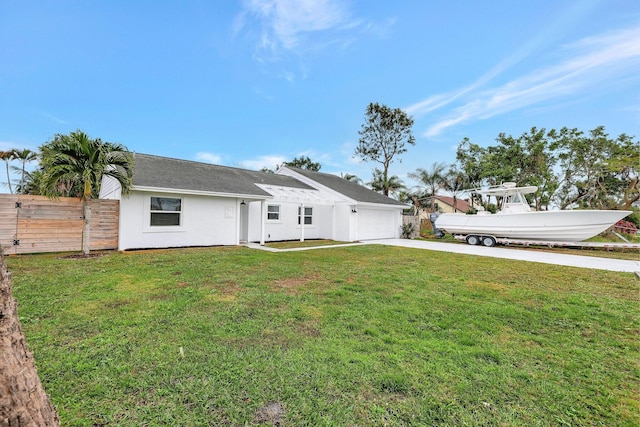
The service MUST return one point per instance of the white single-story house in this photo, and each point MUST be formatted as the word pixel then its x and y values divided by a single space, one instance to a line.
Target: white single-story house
pixel 178 203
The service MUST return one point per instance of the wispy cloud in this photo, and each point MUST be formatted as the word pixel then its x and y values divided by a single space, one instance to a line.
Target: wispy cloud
pixel 268 161
pixel 209 158
pixel 282 30
pixel 347 153
pixel 53 118
pixel 588 63
pixel 286 23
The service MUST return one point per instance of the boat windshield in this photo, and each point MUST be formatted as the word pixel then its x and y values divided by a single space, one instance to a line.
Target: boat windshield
pixel 514 198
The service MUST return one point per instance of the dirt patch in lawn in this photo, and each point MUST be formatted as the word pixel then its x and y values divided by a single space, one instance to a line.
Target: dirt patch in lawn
pixel 293 285
pixel 84 256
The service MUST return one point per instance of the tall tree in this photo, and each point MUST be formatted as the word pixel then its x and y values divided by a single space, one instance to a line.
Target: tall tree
pixel 24 156
pixel 588 180
pixel 526 160
pixel 384 135
pixel 625 163
pixel 304 162
pixel 6 156
pixel 468 158
pixel 78 159
pixel 432 179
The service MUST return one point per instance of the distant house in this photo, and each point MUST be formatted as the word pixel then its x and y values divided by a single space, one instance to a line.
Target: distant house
pixel 176 203
pixel 443 204
pixel 446 204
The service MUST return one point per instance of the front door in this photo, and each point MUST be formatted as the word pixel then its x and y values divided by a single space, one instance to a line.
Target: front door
pixel 244 222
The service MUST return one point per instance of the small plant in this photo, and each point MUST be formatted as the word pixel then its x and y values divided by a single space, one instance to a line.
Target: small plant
pixel 407 230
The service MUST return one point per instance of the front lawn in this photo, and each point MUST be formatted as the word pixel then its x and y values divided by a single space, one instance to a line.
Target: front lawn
pixel 362 335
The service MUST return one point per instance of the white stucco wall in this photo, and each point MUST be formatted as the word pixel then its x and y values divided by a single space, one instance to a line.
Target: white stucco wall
pixel 205 221
pixel 344 223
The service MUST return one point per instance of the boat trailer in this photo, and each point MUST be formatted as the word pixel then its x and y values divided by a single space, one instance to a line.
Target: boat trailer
pixel 490 241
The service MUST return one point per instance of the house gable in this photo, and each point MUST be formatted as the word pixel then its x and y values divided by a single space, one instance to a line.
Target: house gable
pixel 349 191
pixel 461 204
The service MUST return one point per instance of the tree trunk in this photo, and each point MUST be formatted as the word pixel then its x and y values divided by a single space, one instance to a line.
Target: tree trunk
pixel 86 234
pixel 23 401
pixel 6 162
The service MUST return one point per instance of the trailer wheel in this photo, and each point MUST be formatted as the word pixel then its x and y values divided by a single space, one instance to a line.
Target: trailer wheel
pixel 488 241
pixel 473 240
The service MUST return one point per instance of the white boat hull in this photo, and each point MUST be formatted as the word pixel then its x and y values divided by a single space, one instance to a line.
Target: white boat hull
pixel 568 225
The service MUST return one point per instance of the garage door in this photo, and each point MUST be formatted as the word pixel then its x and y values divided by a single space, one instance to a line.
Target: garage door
pixel 377 224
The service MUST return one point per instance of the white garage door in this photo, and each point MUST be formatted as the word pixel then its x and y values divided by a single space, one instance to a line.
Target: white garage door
pixel 377 224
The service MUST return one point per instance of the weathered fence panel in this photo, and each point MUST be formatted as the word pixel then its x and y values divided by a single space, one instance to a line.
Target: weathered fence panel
pixel 30 224
pixel 414 220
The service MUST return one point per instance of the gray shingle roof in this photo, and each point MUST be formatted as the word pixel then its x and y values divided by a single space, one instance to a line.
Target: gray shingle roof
pixel 177 174
pixel 350 189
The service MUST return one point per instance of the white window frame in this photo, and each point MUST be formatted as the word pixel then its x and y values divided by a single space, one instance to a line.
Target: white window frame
pixel 276 212
pixel 306 216
pixel 163 228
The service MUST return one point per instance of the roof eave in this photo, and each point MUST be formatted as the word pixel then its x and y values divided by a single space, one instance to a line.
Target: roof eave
pixel 200 193
pixel 385 205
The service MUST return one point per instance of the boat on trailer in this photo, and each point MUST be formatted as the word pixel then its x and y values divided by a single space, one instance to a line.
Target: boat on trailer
pixel 516 220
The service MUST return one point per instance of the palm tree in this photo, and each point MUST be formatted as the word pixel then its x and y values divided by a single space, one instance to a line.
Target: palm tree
pixel 351 177
pixel 392 184
pixel 77 159
pixel 454 182
pixel 25 156
pixel 32 182
pixel 432 179
pixel 6 156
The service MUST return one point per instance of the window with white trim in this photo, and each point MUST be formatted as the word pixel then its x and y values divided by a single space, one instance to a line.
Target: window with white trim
pixel 273 212
pixel 165 211
pixel 308 215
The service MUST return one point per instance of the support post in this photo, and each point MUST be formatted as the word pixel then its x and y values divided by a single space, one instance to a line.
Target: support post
pixel 263 218
pixel 301 219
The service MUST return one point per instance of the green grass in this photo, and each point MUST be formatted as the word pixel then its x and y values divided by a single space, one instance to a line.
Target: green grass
pixel 364 335
pixel 289 244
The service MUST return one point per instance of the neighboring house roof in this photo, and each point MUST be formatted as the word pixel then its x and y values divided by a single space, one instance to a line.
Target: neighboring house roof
pixel 350 189
pixel 176 174
pixel 461 204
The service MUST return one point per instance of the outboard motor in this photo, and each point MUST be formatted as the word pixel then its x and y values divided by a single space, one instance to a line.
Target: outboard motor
pixel 432 218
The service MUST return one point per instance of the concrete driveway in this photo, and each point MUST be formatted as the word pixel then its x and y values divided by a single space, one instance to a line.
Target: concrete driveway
pixel 495 252
pixel 519 254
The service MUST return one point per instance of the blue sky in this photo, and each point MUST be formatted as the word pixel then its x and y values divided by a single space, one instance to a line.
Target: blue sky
pixel 252 83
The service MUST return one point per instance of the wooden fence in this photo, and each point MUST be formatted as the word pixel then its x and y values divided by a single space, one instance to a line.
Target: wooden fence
pixel 31 224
